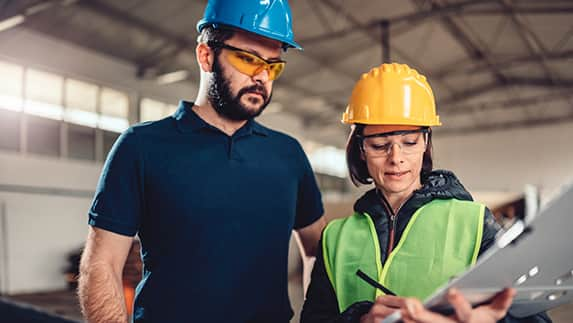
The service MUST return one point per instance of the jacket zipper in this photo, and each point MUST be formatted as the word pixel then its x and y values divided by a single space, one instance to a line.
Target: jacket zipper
pixel 391 238
pixel 393 219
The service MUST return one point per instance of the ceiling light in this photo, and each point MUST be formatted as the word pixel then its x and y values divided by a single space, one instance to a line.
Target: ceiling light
pixel 11 22
pixel 172 77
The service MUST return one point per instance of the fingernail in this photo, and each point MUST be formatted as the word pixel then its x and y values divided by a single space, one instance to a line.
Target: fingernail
pixel 452 292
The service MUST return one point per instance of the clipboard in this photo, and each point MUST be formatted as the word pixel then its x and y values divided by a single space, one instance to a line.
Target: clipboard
pixel 534 256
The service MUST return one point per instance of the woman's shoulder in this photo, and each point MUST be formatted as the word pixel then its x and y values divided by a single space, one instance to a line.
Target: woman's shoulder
pixel 349 222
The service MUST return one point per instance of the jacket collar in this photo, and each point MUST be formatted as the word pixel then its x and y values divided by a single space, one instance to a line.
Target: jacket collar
pixel 439 184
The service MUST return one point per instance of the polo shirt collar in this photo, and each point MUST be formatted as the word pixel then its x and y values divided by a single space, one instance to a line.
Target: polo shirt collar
pixel 188 121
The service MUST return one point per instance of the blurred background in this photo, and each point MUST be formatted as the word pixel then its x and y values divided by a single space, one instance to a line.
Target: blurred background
pixel 75 73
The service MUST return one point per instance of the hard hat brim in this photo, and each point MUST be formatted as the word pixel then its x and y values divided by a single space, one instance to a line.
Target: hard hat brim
pixel 287 43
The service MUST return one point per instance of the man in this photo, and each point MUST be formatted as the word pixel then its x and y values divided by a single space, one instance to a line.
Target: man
pixel 212 194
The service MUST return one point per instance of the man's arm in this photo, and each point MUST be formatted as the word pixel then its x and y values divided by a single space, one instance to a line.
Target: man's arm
pixel 307 239
pixel 100 287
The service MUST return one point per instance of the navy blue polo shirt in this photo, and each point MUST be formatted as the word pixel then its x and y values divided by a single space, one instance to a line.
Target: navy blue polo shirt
pixel 214 214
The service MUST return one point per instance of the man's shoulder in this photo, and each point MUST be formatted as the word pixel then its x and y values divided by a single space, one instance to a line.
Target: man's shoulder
pixel 162 126
pixel 141 135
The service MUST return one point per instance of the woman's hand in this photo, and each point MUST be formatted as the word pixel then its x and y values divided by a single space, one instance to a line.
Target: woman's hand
pixel 384 306
pixel 413 311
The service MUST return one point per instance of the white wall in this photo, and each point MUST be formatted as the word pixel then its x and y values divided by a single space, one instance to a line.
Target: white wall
pixel 507 160
pixel 45 203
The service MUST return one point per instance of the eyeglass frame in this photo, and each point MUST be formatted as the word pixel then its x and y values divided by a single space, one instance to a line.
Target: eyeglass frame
pixel 424 130
pixel 223 45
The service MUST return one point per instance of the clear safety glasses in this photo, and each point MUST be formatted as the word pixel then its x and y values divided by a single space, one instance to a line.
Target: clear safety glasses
pixel 409 141
pixel 249 63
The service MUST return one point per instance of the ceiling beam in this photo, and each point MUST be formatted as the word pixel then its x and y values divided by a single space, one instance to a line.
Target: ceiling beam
pixel 462 8
pixel 23 13
pixel 376 37
pixel 357 24
pixel 502 126
pixel 473 49
pixel 511 81
pixel 529 39
pixel 150 60
pixel 513 103
pixel 319 14
pixel 501 63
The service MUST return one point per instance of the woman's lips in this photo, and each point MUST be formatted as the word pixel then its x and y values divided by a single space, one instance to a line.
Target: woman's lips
pixel 395 175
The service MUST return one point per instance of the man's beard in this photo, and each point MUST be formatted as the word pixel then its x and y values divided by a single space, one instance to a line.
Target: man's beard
pixel 229 106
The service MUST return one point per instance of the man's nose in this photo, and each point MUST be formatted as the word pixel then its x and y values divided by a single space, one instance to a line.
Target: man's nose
pixel 262 76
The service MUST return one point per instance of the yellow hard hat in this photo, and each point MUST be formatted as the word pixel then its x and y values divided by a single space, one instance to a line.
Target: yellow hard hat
pixel 392 94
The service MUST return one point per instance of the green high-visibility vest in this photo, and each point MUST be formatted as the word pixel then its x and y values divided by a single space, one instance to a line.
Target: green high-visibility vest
pixel 442 239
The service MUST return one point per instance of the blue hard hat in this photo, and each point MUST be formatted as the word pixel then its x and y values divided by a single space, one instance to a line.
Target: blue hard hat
pixel 268 18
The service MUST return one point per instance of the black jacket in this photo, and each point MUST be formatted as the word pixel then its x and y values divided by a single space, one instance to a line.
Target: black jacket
pixel 321 304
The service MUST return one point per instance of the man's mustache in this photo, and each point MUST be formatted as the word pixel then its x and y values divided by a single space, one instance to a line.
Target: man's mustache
pixel 255 89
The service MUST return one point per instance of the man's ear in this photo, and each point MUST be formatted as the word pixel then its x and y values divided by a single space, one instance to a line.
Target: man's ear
pixel 205 57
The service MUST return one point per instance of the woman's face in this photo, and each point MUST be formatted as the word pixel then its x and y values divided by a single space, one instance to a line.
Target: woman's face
pixel 394 162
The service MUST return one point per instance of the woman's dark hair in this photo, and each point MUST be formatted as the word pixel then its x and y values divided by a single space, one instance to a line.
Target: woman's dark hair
pixel 211 35
pixel 357 166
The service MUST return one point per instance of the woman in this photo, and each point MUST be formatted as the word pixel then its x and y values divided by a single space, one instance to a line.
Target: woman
pixel 414 230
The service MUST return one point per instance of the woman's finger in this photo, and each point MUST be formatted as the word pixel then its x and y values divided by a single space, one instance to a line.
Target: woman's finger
pixel 415 312
pixel 462 307
pixel 381 311
pixel 390 301
pixel 500 303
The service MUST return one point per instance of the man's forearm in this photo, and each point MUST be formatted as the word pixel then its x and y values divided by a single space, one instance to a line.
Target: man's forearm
pixel 101 294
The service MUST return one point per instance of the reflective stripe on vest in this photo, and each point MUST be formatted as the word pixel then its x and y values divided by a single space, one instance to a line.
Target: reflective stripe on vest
pixel 442 239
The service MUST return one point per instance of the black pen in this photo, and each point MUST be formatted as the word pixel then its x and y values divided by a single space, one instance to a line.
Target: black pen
pixel 374 283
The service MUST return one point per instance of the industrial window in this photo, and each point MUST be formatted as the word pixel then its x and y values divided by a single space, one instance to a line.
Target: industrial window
pixel 81 103
pixel 114 110
pixel 81 142
pixel 47 99
pixel 11 86
pixel 326 159
pixel 43 136
pixel 109 139
pixel 44 94
pixel 150 110
pixel 9 130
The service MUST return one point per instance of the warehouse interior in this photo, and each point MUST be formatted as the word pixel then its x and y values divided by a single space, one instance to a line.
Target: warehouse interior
pixel 74 74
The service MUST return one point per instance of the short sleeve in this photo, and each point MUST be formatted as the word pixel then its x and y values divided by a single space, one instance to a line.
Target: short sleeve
pixel 309 206
pixel 117 203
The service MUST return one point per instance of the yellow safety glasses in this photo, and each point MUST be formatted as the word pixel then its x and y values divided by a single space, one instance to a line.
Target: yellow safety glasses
pixel 252 64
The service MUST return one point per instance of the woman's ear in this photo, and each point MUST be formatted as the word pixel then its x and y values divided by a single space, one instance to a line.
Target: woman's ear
pixel 205 57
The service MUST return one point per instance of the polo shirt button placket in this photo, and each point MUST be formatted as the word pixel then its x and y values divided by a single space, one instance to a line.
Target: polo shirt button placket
pixel 230 148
